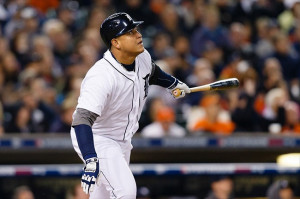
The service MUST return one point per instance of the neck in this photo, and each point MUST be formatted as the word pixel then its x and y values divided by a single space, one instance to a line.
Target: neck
pixel 123 58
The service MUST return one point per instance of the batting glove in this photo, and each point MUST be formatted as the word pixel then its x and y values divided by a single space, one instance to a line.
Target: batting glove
pixel 90 174
pixel 180 87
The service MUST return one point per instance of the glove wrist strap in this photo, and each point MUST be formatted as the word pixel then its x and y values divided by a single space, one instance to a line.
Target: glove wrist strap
pixel 89 160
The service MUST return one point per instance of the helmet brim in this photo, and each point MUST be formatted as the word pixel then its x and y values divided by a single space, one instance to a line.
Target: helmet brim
pixel 129 28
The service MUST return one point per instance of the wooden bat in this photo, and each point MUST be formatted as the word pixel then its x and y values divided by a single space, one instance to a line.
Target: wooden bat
pixel 218 85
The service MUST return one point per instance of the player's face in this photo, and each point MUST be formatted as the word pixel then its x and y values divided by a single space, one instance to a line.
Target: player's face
pixel 131 42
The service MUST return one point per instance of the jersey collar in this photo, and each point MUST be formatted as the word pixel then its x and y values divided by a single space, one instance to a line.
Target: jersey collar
pixel 108 56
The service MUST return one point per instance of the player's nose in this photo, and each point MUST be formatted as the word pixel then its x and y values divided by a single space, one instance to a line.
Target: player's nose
pixel 139 35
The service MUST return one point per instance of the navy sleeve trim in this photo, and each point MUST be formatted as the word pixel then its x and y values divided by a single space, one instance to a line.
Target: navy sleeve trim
pixel 161 78
pixel 85 141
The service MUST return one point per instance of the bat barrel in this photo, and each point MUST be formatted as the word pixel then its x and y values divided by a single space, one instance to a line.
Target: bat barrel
pixel 219 85
pixel 225 84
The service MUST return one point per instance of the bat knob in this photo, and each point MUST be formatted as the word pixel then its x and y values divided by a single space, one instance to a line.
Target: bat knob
pixel 176 92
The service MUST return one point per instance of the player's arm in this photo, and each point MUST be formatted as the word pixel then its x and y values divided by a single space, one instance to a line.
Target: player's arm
pixel 161 78
pixel 82 123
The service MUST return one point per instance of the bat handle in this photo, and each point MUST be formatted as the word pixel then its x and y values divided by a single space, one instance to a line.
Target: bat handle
pixel 176 92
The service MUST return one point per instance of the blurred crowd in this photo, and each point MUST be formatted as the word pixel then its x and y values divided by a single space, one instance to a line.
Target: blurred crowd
pixel 220 187
pixel 46 47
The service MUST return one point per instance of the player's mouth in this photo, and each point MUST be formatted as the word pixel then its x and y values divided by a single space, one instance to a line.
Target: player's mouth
pixel 141 42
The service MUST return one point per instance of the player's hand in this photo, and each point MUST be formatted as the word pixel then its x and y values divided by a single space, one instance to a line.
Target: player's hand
pixel 90 174
pixel 180 87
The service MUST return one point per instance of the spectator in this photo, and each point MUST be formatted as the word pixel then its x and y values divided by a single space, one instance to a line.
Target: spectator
pixel 23 122
pixel 138 9
pixel 198 13
pixel 202 74
pixel 292 118
pixel 241 11
pixel 60 39
pixel 66 13
pixel 161 46
pixel 44 6
pixel 77 192
pixel 214 55
pixel 287 57
pixel 30 114
pixel 272 75
pixel 242 109
pixel 22 192
pixel 63 123
pixel 10 68
pixel 143 193
pixel 164 125
pixel 86 54
pixel 225 9
pixel 232 68
pixel 185 59
pixel 240 43
pixel 290 16
pixel 210 117
pixel 266 8
pixel 91 36
pixel 170 22
pixel 273 112
pixel 97 14
pixel 50 69
pixel 263 44
pixel 20 45
pixel 280 189
pixel 221 188
pixel 211 31
pixel 30 20
pixel 150 111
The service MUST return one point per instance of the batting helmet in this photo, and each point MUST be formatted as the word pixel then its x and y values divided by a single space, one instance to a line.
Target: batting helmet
pixel 116 25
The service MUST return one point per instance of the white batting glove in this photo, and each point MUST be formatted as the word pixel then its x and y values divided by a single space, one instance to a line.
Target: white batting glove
pixel 90 174
pixel 179 89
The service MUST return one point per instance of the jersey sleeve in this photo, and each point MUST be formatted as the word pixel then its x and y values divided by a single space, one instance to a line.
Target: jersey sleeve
pixel 94 92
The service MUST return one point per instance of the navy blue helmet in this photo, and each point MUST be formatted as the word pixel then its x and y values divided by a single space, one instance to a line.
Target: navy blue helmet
pixel 116 25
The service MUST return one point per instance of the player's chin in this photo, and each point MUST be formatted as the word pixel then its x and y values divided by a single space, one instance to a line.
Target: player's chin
pixel 141 49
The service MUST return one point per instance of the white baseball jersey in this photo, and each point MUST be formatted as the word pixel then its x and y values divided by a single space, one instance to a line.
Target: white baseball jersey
pixel 116 95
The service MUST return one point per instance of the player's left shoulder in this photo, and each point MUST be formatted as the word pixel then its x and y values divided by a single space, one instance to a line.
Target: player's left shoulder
pixel 144 60
pixel 144 56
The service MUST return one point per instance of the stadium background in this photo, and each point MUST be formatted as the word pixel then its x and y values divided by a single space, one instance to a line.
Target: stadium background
pixel 46 47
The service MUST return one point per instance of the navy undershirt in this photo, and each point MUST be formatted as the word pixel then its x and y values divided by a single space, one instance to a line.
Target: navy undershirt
pixel 129 67
pixel 161 78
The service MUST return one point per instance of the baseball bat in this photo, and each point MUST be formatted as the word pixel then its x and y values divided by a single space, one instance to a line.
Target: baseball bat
pixel 218 85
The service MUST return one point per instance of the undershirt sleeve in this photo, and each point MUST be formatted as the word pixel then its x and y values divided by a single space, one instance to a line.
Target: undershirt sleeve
pixel 83 116
pixel 161 78
pixel 85 140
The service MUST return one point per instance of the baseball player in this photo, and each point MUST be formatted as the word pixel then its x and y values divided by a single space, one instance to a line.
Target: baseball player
pixel 111 100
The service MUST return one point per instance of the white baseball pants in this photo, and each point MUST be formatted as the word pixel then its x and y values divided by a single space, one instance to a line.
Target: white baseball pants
pixel 116 180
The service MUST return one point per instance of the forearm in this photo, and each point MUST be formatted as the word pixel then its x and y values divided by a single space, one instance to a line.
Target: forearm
pixel 85 141
pixel 161 78
pixel 82 123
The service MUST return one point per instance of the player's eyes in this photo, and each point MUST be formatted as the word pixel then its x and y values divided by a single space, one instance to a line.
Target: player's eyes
pixel 132 32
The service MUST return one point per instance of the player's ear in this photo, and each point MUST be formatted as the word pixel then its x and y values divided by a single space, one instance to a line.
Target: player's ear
pixel 115 43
